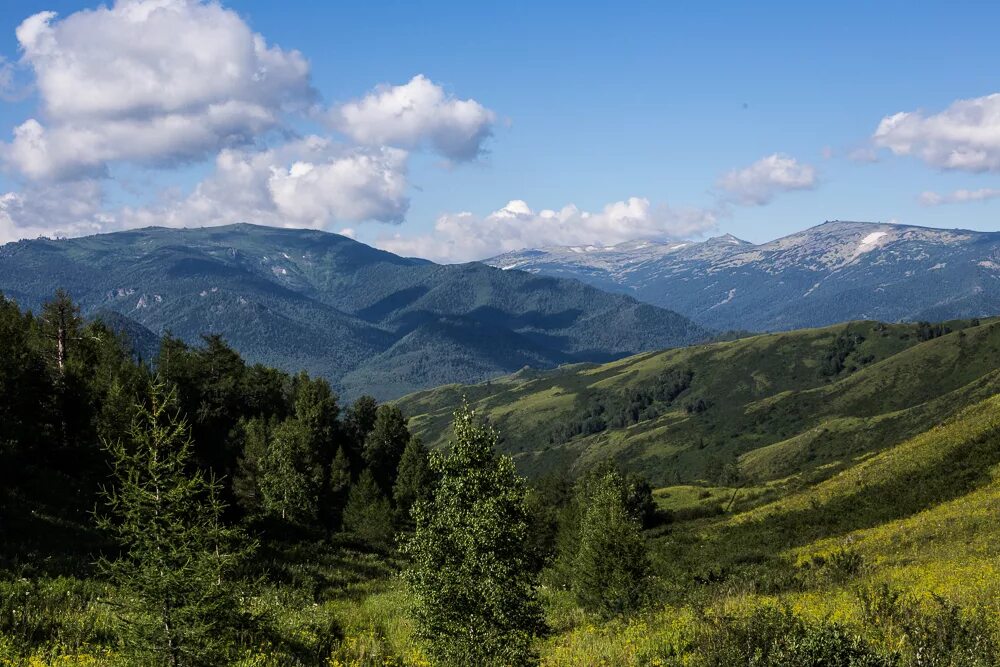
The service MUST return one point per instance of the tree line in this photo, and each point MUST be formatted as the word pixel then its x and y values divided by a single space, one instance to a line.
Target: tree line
pixel 197 459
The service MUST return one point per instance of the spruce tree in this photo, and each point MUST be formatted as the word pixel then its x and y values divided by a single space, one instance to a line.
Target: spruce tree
pixel 475 590
pixel 414 479
pixel 339 488
pixel 178 598
pixel 368 514
pixel 359 420
pixel 612 561
pixel 384 445
pixel 256 434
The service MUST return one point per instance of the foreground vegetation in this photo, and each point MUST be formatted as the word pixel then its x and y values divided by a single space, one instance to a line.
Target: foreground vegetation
pixel 219 513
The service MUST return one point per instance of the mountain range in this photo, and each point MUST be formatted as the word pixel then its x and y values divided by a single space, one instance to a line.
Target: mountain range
pixel 367 320
pixel 834 272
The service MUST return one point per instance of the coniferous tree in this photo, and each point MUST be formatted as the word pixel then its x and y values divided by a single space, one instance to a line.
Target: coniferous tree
pixel 368 514
pixel 385 444
pixel 612 560
pixel 180 602
pixel 338 489
pixel 316 410
pixel 414 479
pixel 256 434
pixel 61 324
pixel 475 590
pixel 359 420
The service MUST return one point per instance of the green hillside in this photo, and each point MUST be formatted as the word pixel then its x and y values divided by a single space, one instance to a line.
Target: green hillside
pixel 818 498
pixel 804 403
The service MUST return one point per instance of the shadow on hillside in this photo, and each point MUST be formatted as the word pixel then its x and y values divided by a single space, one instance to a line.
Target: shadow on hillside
pixel 960 471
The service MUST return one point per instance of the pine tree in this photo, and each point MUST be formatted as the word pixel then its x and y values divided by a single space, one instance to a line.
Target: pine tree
pixel 384 445
pixel 368 514
pixel 414 479
pixel 180 605
pixel 612 561
pixel 475 592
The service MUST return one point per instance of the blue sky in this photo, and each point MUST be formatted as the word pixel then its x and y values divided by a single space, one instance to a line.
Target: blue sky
pixel 585 104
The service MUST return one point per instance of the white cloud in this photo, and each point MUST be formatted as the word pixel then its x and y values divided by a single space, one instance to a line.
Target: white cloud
pixel 148 81
pixel 417 114
pixel 64 209
pixel 965 136
pixel 305 183
pixel 766 178
pixel 465 237
pixel 962 196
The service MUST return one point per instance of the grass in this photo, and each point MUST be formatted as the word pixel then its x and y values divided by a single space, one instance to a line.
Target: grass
pixel 863 529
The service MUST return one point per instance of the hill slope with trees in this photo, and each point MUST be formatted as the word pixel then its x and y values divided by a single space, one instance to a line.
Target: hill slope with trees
pixel 826 497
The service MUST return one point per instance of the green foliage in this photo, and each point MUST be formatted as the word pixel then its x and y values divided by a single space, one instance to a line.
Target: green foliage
pixel 611 563
pixel 470 572
pixel 180 604
pixel 384 445
pixel 368 514
pixel 415 480
pixel 773 636
pixel 291 473
pixel 618 409
pixel 339 487
pixel 359 420
pixel 761 403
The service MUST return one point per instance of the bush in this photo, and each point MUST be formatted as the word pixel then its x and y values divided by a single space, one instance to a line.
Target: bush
pixel 770 635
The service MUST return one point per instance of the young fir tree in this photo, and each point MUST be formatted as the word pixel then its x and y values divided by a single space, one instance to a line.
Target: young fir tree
pixel 475 590
pixel 179 599
pixel 414 480
pixel 384 445
pixel 612 561
pixel 368 514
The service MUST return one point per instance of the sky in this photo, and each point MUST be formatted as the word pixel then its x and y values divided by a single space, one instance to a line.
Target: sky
pixel 458 131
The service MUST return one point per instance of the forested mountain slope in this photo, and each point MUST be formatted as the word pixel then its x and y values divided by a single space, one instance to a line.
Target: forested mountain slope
pixel 368 320
pixel 804 403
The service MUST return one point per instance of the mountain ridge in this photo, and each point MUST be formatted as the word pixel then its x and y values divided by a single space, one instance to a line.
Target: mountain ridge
pixel 835 271
pixel 305 299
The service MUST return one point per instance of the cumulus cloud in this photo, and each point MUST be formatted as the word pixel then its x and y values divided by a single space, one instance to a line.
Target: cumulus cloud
pixel 310 182
pixel 965 136
pixel 465 237
pixel 417 114
pixel 64 209
pixel 766 178
pixel 930 198
pixel 148 81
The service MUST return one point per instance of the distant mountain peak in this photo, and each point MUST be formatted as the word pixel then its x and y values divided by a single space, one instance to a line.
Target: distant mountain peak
pixel 835 271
